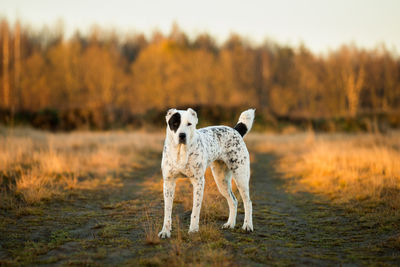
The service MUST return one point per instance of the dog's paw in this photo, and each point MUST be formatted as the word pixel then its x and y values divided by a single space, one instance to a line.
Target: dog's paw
pixel 164 234
pixel 228 225
pixel 193 230
pixel 247 227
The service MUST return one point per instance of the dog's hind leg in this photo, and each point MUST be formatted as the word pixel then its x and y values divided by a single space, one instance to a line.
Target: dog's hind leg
pixel 242 179
pixel 223 179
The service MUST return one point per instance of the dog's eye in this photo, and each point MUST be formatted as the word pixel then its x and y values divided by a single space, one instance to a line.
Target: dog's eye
pixel 189 124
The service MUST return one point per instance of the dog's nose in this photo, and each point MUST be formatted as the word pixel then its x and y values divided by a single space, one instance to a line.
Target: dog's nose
pixel 182 137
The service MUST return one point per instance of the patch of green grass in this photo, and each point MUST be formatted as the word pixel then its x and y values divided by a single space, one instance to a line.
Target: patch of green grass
pixel 324 256
pixel 100 253
pixel 29 210
pixel 250 250
pixel 277 224
pixel 58 238
pixel 320 214
pixel 7 221
pixel 220 243
pixel 150 262
pixel 292 245
pixel 111 230
pixel 245 239
pixel 121 242
pixel 30 250
pixel 82 262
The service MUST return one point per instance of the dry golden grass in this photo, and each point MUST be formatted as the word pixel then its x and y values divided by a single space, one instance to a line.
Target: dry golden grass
pixel 151 229
pixel 36 165
pixel 343 166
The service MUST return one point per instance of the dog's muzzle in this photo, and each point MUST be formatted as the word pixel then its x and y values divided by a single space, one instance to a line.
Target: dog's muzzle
pixel 182 138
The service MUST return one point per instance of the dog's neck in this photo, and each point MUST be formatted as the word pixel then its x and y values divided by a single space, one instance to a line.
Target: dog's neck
pixel 179 153
pixel 182 155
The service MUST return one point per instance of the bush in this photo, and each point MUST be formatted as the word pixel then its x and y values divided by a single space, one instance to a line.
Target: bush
pixel 106 118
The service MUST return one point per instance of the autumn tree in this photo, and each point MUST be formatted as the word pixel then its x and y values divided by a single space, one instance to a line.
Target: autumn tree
pixel 6 59
pixel 103 74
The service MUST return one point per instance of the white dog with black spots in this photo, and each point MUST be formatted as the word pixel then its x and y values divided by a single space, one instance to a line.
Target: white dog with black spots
pixel 189 151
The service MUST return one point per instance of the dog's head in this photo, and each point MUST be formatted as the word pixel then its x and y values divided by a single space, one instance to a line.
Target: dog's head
pixel 181 125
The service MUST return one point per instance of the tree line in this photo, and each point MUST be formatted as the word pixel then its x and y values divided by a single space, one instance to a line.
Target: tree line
pixel 106 74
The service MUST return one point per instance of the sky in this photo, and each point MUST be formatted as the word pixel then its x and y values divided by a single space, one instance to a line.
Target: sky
pixel 321 25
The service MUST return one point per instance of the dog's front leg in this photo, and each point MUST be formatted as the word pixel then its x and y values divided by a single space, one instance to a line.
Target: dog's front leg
pixel 169 191
pixel 198 190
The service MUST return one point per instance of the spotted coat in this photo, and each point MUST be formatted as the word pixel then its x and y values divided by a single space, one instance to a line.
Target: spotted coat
pixel 221 147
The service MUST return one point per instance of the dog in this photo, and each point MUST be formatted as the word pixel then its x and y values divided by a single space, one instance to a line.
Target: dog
pixel 189 151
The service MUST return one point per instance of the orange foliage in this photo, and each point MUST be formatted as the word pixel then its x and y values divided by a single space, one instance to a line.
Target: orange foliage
pixel 104 71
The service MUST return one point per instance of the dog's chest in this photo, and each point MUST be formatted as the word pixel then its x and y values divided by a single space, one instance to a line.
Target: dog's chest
pixel 193 168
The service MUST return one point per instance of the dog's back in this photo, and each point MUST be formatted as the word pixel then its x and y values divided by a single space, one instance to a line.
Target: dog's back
pixel 226 143
pixel 223 143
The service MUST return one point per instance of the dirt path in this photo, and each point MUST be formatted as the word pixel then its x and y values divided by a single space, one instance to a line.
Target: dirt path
pixel 304 229
pixel 106 227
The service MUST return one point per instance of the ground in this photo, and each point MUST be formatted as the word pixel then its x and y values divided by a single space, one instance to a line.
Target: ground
pixel 118 225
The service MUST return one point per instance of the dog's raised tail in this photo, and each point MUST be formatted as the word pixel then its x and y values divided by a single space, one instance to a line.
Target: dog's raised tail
pixel 245 122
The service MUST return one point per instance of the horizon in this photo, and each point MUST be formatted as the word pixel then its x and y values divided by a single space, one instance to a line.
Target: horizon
pixel 369 27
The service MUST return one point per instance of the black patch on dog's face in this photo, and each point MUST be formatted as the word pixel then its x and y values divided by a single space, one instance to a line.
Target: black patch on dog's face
pixel 174 122
pixel 241 128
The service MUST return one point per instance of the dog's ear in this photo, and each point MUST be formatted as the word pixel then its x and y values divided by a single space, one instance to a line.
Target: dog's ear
pixel 170 112
pixel 194 115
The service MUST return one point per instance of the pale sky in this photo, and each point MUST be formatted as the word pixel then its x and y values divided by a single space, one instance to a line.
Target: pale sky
pixel 321 25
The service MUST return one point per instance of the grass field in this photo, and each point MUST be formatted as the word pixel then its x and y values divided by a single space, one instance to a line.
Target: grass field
pixel 87 198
